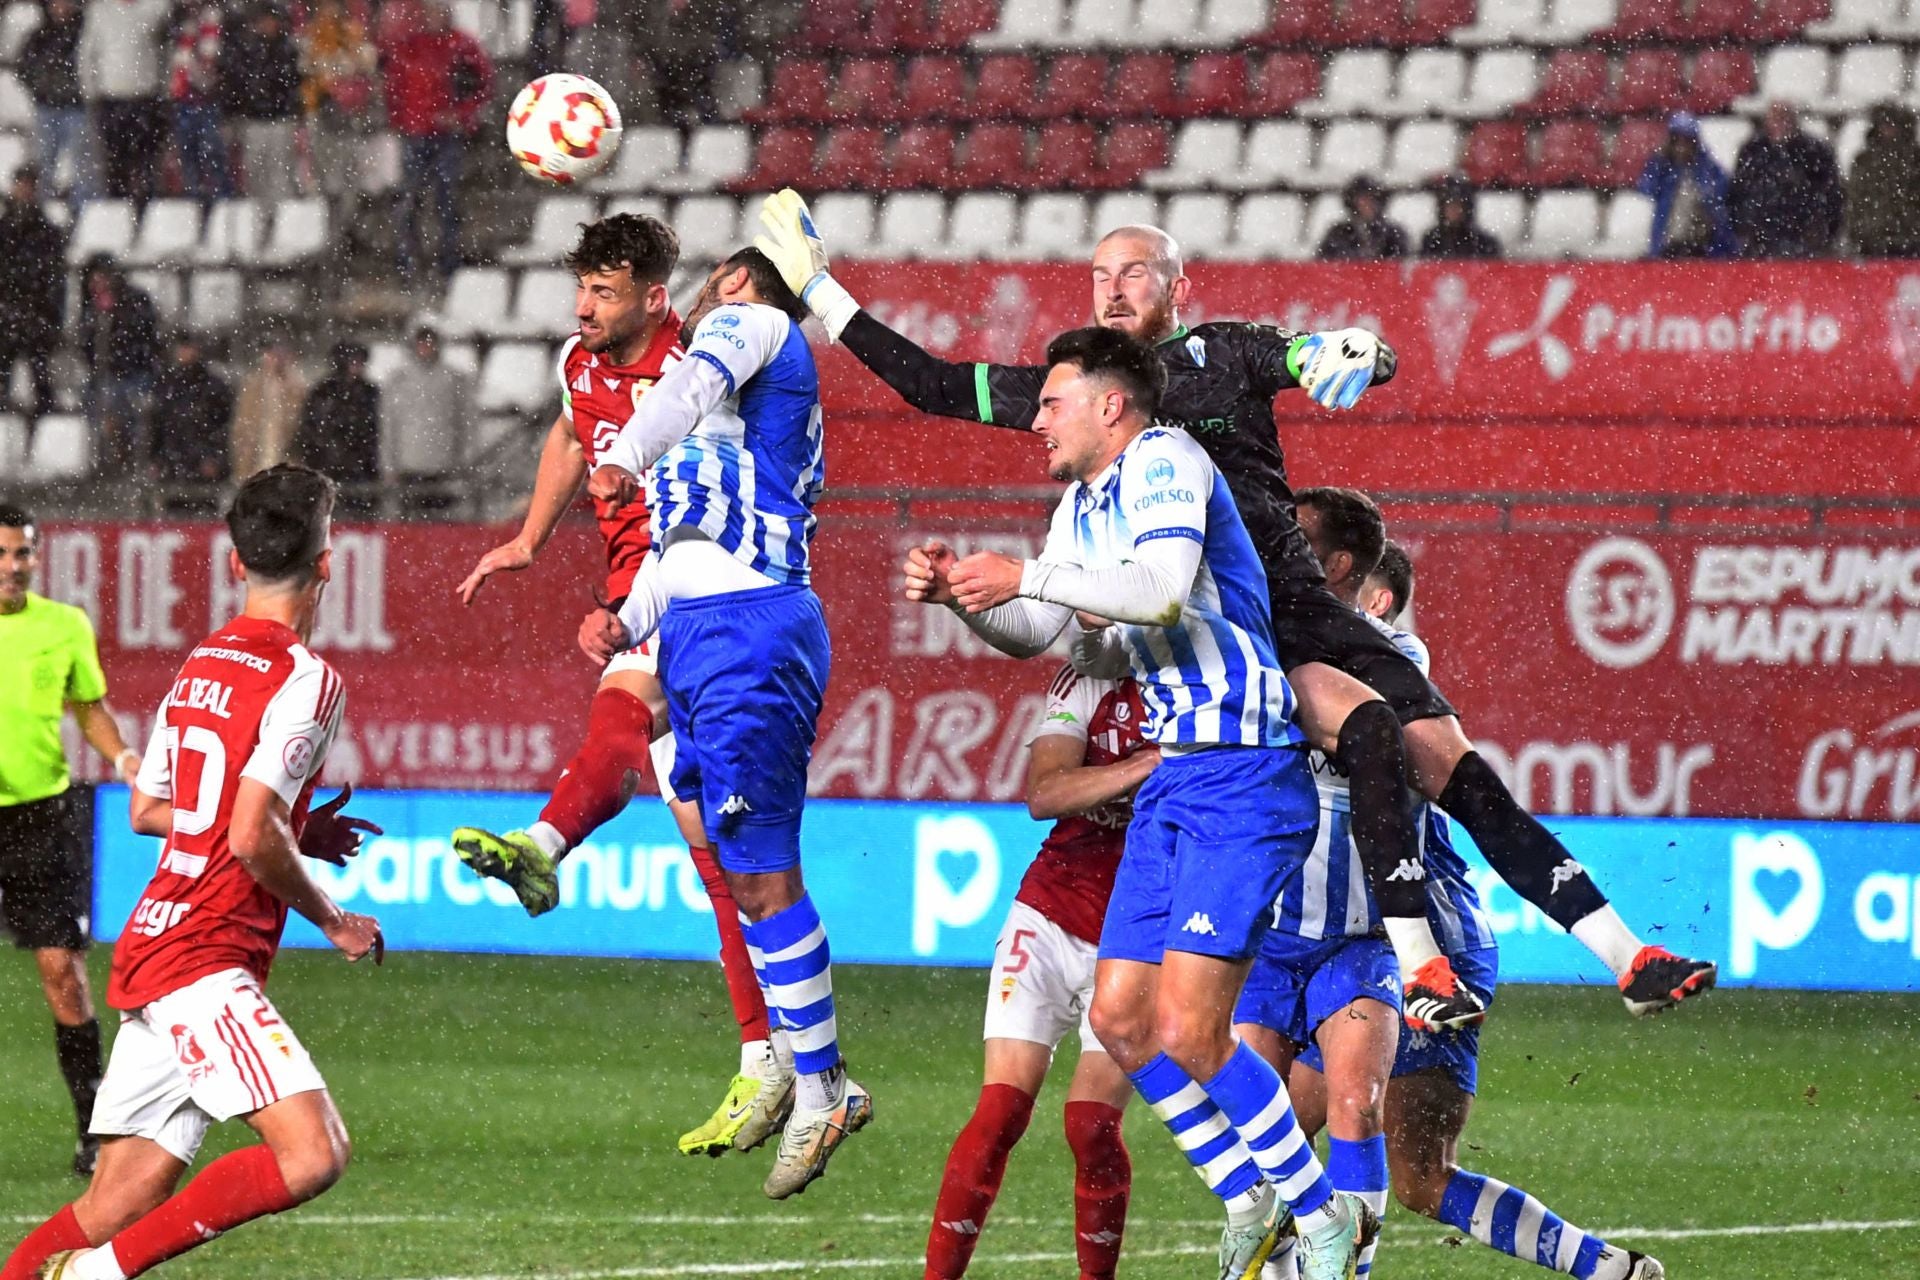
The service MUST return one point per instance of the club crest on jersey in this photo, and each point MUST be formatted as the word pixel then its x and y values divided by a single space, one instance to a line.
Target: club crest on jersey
pixel 1159 472
pixel 1197 348
pixel 1007 985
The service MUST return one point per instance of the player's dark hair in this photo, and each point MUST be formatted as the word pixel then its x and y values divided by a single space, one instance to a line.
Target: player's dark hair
pixel 278 521
pixel 641 243
pixel 1350 521
pixel 1396 570
pixel 767 281
pixel 1111 354
pixel 12 517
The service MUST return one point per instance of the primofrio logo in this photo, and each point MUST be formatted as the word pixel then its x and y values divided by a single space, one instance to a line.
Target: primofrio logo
pixel 1620 602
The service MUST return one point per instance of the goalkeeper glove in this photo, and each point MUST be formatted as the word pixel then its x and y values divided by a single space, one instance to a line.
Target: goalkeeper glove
pixel 1334 368
pixel 795 247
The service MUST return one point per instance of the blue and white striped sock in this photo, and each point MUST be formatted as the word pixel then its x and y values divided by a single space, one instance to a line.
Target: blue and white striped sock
pixel 1249 1090
pixel 798 974
pixel 1508 1219
pixel 1206 1137
pixel 776 1024
pixel 1361 1168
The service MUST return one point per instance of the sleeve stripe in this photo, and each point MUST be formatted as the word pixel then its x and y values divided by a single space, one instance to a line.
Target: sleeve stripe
pixel 1063 683
pixel 982 393
pixel 725 373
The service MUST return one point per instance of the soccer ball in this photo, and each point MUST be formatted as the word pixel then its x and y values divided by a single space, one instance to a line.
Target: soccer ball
pixel 563 128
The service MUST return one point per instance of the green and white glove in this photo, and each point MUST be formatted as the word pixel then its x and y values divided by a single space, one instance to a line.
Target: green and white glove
pixel 795 247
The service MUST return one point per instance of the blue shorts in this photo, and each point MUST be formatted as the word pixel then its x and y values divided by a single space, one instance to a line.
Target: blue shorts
pixel 1298 983
pixel 745 673
pixel 1455 1052
pixel 1214 837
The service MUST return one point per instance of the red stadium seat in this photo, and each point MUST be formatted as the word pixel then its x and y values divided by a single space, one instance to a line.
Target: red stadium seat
pixel 799 92
pixel 1715 21
pixel 1639 20
pixel 1286 80
pixel 854 156
pixel 1216 86
pixel 1569 154
pixel 935 88
pixel 1368 22
pixel 1003 89
pixel 922 158
pixel 1785 19
pixel 1720 76
pixel 864 91
pixel 784 158
pixel 1067 157
pixel 831 24
pixel 1076 86
pixel 1633 146
pixel 1300 24
pixel 1651 80
pixel 1134 148
pixel 1576 81
pixel 961 20
pixel 996 156
pixel 1143 85
pixel 1435 21
pixel 1496 154
pixel 901 27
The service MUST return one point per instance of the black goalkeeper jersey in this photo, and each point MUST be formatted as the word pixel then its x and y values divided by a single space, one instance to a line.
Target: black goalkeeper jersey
pixel 1221 380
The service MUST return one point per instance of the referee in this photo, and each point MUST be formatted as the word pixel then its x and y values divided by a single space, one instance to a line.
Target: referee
pixel 48 662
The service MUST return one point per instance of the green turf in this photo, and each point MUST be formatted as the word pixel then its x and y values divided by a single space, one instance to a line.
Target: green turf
pixel 517 1117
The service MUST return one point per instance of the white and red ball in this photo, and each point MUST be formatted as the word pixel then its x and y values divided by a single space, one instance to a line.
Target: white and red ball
pixel 563 128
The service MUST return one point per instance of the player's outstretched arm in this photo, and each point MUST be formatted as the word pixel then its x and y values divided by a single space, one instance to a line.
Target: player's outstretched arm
pixel 1060 782
pixel 563 464
pixel 261 837
pixel 1019 628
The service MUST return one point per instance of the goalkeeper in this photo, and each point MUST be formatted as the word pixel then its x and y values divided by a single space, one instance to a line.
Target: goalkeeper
pixel 1360 699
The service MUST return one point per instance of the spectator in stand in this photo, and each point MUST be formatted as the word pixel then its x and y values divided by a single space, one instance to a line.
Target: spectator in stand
pixel 340 65
pixel 50 70
pixel 120 344
pixel 425 408
pixel 340 427
pixel 192 417
pixel 679 44
pixel 260 88
pixel 438 81
pixel 1785 197
pixel 193 83
pixel 1883 191
pixel 1689 190
pixel 33 290
pixel 1366 231
pixel 268 413
pixel 123 75
pixel 1455 234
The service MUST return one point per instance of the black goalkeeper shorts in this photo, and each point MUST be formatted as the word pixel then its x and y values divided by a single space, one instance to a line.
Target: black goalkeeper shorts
pixel 1310 624
pixel 45 873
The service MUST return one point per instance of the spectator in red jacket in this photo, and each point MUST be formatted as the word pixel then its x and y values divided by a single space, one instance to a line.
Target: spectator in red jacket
pixel 438 81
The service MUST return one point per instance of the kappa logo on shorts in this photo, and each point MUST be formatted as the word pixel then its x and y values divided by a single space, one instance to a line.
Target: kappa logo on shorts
pixel 1409 869
pixel 1199 922
pixel 735 803
pixel 1565 873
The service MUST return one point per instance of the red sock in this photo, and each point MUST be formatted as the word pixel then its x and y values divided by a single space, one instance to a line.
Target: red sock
pixel 58 1233
pixel 749 1004
pixel 1103 1176
pixel 592 788
pixel 975 1167
pixel 236 1188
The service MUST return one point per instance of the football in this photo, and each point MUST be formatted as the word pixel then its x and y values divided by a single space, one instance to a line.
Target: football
pixel 563 128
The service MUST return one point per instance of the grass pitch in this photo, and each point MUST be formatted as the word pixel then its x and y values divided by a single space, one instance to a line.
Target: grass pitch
pixel 517 1117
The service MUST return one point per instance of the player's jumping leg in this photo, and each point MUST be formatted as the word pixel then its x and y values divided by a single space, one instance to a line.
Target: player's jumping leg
pixel 1531 859
pixel 132 1177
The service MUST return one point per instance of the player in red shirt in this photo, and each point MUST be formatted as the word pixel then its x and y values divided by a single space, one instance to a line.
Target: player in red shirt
pixel 226 780
pixel 628 336
pixel 1083 764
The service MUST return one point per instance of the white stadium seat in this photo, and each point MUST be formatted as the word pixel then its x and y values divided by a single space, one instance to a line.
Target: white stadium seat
pixel 13 154
pixel 1322 213
pixel 1202 222
pixel 709 226
pixel 1277 151
pixel 543 304
pixel 650 206
pixel 1789 73
pixel 1228 22
pixel 105 226
pixel 980 226
pixel 299 231
pixel 1501 78
pixel 1268 226
pixel 648 152
pixel 1502 22
pixel 1629 232
pixel 1204 153
pixel 216 301
pixel 1053 228
pixel 1348 148
pixel 231 234
pixel 16 108
pixel 1865 75
pixel 556 224
pixel 476 303
pixel 1094 23
pixel 384 359
pixel 1503 214
pixel 716 155
pixel 516 376
pixel 169 233
pixel 1721 136
pixel 168 294
pixel 17 22
pixel 1356 81
pixel 912 224
pixel 1025 22
pixel 1167 24
pixel 13 443
pixel 1123 209
pixel 1431 82
pixel 61 449
pixel 1565 224
pixel 1422 150
pixel 1847 143
pixel 1905 25
pixel 1856 20
pixel 1414 211
pixel 848 218
pixel 1572 21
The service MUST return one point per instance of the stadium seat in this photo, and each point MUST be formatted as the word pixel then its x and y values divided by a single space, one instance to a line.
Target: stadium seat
pixel 935 89
pixel 647 206
pixel 1369 23
pixel 1575 83
pixel 708 226
pixel 543 304
pixel 1228 24
pixel 1076 86
pixel 556 222
pixel 923 157
pixel 1431 82
pixel 1570 22
pixel 1143 85
pixel 1003 89
pixel 1269 226
pixel 1651 82
pixel 1286 80
pixel 1858 20
pixel 1123 209
pixel 847 218
pixel 1133 149
pixel 1094 24
pixel 1355 81
pixel 169 233
pixel 104 226
pixel 1714 21
pixel 1053 228
pixel 1503 214
pixel 1166 24
pixel 1864 75
pixel 853 156
pixel 62 449
pixel 1786 19
pixel 1348 148
pixel 1322 212
pixel 231 234
pixel 1629 228
pixel 1496 154
pixel 16 108
pixel 1569 154
pixel 516 376
pixel 1790 73
pixel 1501 80
pixel 1436 21
pixel 909 225
pixel 895 28
pixel 17 22
pixel 164 287
pixel 13 153
pixel 13 443
pixel 959 21
pixel 994 155
pixel 784 158
pixel 1216 85
pixel 648 152
pixel 1720 76
pixel 1721 137
pixel 1421 150
pixel 1635 144
pixel 1638 20
pixel 716 155
pixel 981 225
pixel 798 93
pixel 1565 225
pixel 1503 22
pixel 1202 222
pixel 1414 211
pixel 299 232
pixel 477 303
pixel 1299 24
pixel 1025 23
pixel 1065 157
pixel 863 91
pixel 1276 152
pixel 1848 141
pixel 216 301
pixel 1204 152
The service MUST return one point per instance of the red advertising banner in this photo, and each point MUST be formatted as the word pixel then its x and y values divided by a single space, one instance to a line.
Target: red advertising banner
pixel 1705 674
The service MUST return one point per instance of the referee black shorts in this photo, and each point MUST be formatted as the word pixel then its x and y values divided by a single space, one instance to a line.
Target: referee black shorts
pixel 1311 624
pixel 45 873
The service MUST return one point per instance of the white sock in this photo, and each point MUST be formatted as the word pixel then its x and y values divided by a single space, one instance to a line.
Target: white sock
pixel 98 1264
pixel 1607 936
pixel 821 1090
pixel 1250 1206
pixel 1413 944
pixel 756 1059
pixel 1283 1263
pixel 551 842
pixel 782 1050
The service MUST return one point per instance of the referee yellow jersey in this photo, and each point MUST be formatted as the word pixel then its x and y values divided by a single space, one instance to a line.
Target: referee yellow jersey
pixel 48 658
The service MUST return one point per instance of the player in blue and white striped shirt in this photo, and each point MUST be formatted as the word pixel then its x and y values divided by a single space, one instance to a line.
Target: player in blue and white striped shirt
pixel 732 439
pixel 1148 535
